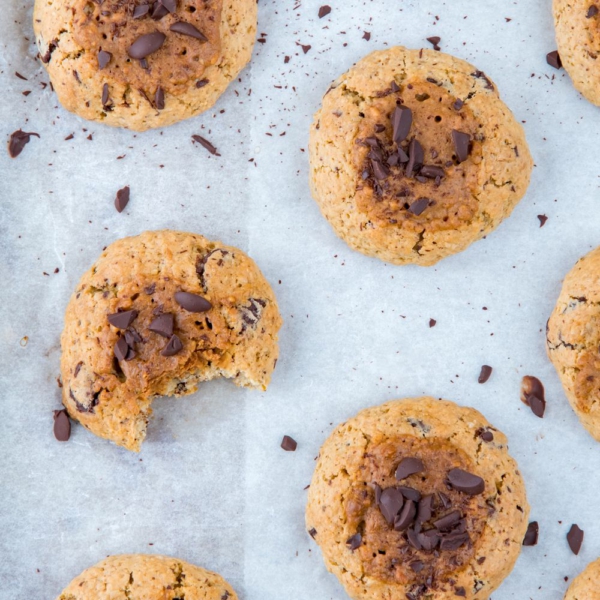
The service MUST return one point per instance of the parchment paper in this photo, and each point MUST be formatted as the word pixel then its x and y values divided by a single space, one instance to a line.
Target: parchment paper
pixel 211 484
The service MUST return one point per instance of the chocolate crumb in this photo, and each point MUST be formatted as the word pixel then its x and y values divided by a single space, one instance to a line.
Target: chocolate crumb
pixel 484 374
pixel 206 144
pixel 62 425
pixel 18 140
pixel 531 535
pixel 289 444
pixel 532 394
pixel 543 219
pixel 324 11
pixel 122 199
pixel 575 538
pixel 553 59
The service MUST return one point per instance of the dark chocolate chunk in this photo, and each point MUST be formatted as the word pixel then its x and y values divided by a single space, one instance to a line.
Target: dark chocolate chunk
pixel 17 142
pixel 553 59
pixel 401 123
pixel 409 466
pixel 380 171
pixel 163 325
pixel 173 347
pixel 103 58
pixel 122 199
pixel 461 143
pixel 159 98
pixel 486 435
pixel 453 541
pixel 485 373
pixel 406 516
pixel 354 542
pixel 447 522
pixel 146 45
pixel 531 535
pixel 543 219
pixel 429 539
pixel 532 394
pixel 206 144
pixel 192 302
pixel 458 104
pixel 575 539
pixel 417 565
pixel 141 11
pixel 466 482
pixel 188 29
pixel 324 11
pixel 416 157
pixel 434 41
pixel 312 532
pixel 105 95
pixel 413 538
pixel 390 503
pixel 410 493
pixel 289 444
pixel 460 591
pixel 121 349
pixel 162 8
pixel 201 83
pixel 62 425
pixel 394 87
pixel 444 500
pixel 122 320
pixel 592 11
pixel 432 172
pixel 418 206
pixel 425 509
pixel 432 322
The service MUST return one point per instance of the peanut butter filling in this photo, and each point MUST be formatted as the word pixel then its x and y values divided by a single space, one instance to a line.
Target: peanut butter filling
pixel 433 187
pixel 434 538
pixel 186 41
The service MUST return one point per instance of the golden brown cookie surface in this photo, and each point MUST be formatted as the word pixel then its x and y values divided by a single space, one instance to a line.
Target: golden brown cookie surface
pixel 414 156
pixel 157 314
pixel 148 577
pixel 417 498
pixel 143 63
pixel 573 339
pixel 586 586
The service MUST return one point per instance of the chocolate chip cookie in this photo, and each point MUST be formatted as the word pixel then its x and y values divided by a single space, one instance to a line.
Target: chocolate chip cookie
pixel 417 499
pixel 148 577
pixel 586 586
pixel 413 156
pixel 577 24
pixel 156 315
pixel 143 63
pixel 573 340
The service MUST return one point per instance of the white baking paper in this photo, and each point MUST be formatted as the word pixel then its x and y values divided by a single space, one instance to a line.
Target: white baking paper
pixel 211 484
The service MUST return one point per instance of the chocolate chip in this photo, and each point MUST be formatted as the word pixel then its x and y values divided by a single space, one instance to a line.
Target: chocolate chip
pixel 122 199
pixel 486 436
pixel 141 11
pixel 394 87
pixel 406 516
pixel 417 565
pixel 17 142
pixel 163 325
pixel 103 58
pixel 413 539
pixel 429 539
pixel 434 41
pixel 543 219
pixel 425 509
pixel 485 373
pixel 121 349
pixel 553 59
pixel 410 493
pixel 390 504
pixel 354 542
pixel 173 347
pixel 416 157
pixel 62 425
pixel 201 83
pixel 146 45
pixel 159 98
pixel 432 322
pixel 466 482
pixel 189 30
pixel 162 8
pixel 409 466
pixel 575 539
pixel 380 171
pixel 324 11
pixel 532 394
pixel 418 207
pixel 460 591
pixel 592 11
pixel 122 320
pixel 461 143
pixel 448 522
pixel 401 123
pixel 531 535
pixel 453 541
pixel 312 532
pixel 105 96
pixel 444 500
pixel 206 144
pixel 289 444
pixel 458 104
pixel 432 172
pixel 192 302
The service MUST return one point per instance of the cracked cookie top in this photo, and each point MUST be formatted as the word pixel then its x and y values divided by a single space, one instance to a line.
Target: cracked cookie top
pixel 417 499
pixel 151 577
pixel 414 156
pixel 573 339
pixel 156 315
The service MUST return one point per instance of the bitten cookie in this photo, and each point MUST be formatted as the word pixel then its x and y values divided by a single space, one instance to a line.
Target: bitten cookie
pixel 143 63
pixel 586 586
pixel 417 499
pixel 573 339
pixel 577 24
pixel 413 156
pixel 147 577
pixel 156 315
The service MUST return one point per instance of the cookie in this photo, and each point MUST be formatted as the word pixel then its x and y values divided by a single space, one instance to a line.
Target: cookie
pixel 577 24
pixel 417 499
pixel 156 315
pixel 143 63
pixel 413 156
pixel 586 586
pixel 147 577
pixel 573 339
